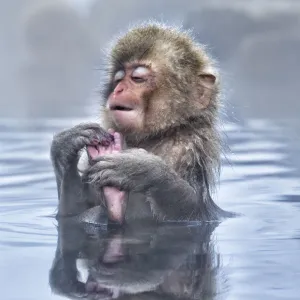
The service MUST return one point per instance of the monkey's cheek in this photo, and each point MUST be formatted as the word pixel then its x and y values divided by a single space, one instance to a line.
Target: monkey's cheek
pixel 116 204
pixel 127 119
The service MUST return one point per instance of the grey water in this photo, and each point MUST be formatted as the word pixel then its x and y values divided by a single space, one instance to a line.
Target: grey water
pixel 253 256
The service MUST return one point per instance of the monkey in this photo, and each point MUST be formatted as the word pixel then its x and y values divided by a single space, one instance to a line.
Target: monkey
pixel 162 95
pixel 168 261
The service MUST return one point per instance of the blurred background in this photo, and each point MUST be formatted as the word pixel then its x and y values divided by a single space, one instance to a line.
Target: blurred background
pixel 51 58
pixel 51 51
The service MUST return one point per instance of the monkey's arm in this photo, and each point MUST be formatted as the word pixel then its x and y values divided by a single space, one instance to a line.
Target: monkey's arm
pixel 171 196
pixel 64 155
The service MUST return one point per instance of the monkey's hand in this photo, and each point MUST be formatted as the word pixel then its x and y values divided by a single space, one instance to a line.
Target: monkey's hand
pixel 135 170
pixel 65 156
pixel 130 170
pixel 66 144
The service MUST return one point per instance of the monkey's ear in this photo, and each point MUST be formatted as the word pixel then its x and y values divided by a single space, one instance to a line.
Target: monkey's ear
pixel 208 79
pixel 207 83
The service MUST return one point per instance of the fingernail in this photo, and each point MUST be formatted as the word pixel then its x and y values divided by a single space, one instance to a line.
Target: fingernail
pixel 111 131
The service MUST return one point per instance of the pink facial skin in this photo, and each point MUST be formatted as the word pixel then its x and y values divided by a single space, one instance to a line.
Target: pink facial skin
pixel 115 199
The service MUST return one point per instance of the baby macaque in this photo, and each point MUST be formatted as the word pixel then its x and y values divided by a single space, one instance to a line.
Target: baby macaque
pixel 161 98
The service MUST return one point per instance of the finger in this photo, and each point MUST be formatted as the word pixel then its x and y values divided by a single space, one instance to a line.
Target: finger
pixel 100 165
pixel 93 151
pixel 105 178
pixel 103 150
pixel 118 141
pixel 110 179
pixel 103 137
pixel 94 142
pixel 101 158
pixel 109 149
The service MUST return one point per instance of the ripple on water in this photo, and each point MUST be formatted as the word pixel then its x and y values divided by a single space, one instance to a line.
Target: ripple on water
pixel 27 187
pixel 259 249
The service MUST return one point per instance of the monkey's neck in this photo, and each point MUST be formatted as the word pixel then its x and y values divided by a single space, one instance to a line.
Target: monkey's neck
pixel 192 128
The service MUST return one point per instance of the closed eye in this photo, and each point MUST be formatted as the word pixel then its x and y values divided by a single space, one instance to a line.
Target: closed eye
pixel 138 79
pixel 139 75
pixel 119 76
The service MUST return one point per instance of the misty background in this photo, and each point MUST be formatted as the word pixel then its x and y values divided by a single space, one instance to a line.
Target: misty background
pixel 51 52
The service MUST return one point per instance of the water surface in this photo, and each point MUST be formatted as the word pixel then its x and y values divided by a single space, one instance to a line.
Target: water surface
pixel 255 256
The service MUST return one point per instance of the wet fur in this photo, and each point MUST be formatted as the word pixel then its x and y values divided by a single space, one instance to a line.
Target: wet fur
pixel 174 178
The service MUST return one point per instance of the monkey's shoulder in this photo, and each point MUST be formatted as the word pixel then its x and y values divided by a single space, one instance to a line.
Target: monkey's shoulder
pixel 180 154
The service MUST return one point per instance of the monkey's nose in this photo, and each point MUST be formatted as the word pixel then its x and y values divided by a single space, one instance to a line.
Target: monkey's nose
pixel 119 88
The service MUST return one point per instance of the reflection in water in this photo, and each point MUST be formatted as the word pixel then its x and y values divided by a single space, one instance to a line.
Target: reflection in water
pixel 138 262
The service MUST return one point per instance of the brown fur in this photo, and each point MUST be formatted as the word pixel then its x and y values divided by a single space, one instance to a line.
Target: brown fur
pixel 176 114
pixel 173 178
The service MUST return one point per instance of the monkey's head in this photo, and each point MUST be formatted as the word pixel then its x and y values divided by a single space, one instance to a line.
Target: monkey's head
pixel 158 79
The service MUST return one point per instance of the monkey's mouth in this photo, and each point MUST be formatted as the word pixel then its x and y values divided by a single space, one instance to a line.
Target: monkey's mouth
pixel 120 108
pixel 123 114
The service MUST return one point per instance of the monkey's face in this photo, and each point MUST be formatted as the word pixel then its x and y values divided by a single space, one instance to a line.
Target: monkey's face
pixel 131 86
